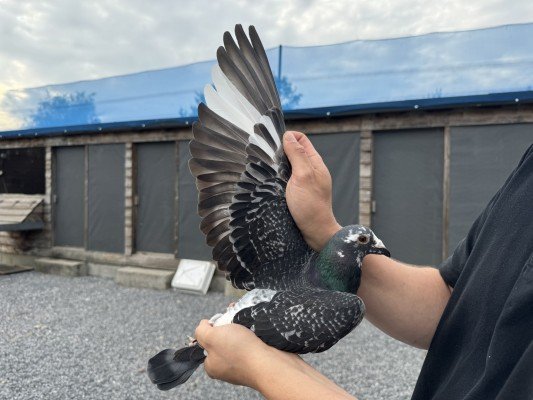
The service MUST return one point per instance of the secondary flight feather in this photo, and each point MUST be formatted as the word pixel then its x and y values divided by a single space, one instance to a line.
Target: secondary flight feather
pixel 299 300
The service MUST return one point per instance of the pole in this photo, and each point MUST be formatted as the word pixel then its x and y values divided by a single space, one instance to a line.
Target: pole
pixel 280 54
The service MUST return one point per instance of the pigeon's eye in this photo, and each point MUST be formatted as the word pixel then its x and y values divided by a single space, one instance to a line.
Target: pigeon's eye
pixel 362 239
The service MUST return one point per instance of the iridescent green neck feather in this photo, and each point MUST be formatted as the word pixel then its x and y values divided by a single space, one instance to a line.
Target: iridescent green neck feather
pixel 337 266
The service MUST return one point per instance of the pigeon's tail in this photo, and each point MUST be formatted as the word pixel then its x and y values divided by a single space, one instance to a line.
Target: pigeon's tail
pixel 171 368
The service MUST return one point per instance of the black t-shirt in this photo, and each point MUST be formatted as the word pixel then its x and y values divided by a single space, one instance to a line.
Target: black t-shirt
pixel 483 346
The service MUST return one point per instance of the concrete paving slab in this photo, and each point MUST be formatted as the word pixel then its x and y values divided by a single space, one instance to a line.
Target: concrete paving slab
pixel 57 266
pixel 144 277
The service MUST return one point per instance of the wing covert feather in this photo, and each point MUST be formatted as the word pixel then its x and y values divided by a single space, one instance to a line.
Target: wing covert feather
pixel 303 320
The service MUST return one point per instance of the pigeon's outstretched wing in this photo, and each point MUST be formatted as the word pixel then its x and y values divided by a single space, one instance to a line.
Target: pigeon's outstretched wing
pixel 240 168
pixel 303 320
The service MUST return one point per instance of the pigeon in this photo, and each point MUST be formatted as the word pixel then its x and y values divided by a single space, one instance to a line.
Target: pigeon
pixel 298 300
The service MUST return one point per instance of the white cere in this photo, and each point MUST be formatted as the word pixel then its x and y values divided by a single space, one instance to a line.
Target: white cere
pixel 378 242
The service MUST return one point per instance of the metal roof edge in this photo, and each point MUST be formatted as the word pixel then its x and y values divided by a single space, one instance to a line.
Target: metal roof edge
pixel 100 128
pixel 484 100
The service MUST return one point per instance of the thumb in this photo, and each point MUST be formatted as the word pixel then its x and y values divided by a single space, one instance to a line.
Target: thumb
pixel 202 332
pixel 296 154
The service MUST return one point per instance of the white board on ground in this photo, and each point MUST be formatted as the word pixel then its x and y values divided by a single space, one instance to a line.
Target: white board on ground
pixel 193 276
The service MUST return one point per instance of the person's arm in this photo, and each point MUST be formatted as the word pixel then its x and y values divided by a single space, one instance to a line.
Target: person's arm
pixel 237 356
pixel 404 301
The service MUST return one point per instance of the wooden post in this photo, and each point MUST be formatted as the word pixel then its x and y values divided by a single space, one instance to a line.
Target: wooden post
pixel 48 196
pixel 85 199
pixel 129 206
pixel 365 178
pixel 176 199
pixel 446 193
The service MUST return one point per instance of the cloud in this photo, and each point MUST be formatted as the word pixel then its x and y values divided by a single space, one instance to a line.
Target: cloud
pixel 8 121
pixel 52 41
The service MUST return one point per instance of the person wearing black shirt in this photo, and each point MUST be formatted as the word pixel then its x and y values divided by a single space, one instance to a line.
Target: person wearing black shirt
pixel 474 312
pixel 483 345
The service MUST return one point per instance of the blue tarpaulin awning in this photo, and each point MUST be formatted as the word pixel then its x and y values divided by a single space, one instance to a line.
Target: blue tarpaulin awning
pixel 470 68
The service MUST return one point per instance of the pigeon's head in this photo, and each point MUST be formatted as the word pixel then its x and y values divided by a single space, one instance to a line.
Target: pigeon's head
pixel 339 263
pixel 361 241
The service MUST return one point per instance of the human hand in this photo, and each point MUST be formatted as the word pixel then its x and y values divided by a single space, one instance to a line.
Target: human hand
pixel 237 356
pixel 309 191
pixel 234 353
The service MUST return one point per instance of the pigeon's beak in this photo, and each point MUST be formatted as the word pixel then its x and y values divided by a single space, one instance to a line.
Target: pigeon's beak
pixel 378 248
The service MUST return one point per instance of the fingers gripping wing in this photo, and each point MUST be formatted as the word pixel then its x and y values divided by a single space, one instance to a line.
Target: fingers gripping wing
pixel 238 161
pixel 305 320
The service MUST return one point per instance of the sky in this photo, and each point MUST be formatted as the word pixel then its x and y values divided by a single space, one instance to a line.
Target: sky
pixel 55 41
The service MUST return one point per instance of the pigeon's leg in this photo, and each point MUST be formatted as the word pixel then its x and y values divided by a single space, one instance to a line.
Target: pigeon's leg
pixel 191 341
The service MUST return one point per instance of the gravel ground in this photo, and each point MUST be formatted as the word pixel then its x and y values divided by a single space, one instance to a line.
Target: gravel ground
pixel 87 338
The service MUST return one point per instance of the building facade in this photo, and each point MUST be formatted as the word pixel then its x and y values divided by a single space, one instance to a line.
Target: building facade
pixel 120 199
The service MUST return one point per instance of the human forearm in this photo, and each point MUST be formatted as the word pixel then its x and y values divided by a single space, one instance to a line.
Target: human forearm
pixel 286 376
pixel 237 356
pixel 404 301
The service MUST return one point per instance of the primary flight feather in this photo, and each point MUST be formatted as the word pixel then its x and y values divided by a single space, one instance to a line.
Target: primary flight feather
pixel 299 300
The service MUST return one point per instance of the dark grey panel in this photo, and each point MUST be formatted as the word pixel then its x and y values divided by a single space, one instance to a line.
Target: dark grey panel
pixel 156 180
pixel 340 152
pixel 22 170
pixel 69 190
pixel 191 241
pixel 481 159
pixel 106 198
pixel 408 174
